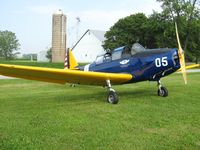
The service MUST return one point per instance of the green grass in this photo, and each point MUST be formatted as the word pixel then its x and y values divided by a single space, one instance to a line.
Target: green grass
pixel 36 115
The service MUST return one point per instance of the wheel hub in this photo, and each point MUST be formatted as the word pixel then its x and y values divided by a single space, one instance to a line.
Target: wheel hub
pixel 111 98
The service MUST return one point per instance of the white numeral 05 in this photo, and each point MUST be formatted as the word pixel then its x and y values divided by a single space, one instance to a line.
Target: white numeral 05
pixel 161 62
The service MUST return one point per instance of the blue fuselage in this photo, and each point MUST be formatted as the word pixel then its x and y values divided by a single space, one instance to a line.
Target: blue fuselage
pixel 151 65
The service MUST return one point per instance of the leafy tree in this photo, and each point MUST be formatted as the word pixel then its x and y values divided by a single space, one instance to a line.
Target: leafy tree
pixel 193 45
pixel 127 31
pixel 161 31
pixel 8 44
pixel 185 13
pixel 49 54
pixel 158 29
pixel 152 32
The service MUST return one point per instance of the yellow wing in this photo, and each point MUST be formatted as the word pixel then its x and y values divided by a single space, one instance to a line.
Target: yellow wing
pixel 63 76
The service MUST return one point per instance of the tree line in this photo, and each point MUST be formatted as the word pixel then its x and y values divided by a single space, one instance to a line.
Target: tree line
pixel 154 31
pixel 9 45
pixel 158 31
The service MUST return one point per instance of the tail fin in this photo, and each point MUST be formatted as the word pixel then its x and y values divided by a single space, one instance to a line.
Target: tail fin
pixel 70 61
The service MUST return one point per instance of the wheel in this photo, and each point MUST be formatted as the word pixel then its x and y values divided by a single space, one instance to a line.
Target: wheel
pixel 112 97
pixel 162 92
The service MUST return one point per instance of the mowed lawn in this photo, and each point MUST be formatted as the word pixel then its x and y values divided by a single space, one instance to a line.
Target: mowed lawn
pixel 36 115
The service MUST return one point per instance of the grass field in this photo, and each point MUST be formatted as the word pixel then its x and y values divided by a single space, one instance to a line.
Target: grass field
pixel 36 115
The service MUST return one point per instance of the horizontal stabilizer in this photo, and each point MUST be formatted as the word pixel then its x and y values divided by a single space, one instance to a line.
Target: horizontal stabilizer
pixel 191 66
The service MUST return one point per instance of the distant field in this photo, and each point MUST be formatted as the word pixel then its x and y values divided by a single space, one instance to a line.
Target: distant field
pixel 34 63
pixel 36 115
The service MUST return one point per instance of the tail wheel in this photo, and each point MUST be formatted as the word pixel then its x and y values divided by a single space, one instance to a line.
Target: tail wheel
pixel 112 97
pixel 162 91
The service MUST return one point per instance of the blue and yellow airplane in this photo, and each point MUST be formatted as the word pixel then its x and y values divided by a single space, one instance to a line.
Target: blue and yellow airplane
pixel 124 65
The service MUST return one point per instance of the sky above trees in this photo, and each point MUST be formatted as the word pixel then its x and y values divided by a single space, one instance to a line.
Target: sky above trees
pixel 31 20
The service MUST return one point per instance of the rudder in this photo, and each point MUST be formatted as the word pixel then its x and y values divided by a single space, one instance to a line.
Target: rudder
pixel 70 61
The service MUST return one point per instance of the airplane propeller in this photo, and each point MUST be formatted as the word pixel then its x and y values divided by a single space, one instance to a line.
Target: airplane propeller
pixel 181 56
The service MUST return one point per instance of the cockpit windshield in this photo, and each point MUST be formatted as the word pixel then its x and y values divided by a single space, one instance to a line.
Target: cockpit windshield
pixel 120 53
pixel 126 51
pixel 136 48
pixel 99 59
pixel 103 58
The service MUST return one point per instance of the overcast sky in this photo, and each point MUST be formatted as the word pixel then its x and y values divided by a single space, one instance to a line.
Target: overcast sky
pixel 31 20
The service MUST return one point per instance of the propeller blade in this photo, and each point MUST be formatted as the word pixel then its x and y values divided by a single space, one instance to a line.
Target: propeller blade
pixel 181 56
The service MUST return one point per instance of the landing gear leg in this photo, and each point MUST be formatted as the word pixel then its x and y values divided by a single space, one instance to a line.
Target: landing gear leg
pixel 112 96
pixel 162 91
pixel 72 85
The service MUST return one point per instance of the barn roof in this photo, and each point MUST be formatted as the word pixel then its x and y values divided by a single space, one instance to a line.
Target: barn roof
pixel 98 34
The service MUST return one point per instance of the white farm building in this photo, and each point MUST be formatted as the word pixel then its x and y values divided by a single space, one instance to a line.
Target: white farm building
pixel 41 56
pixel 89 46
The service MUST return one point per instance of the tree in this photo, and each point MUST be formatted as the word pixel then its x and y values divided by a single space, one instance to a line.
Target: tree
pixel 194 40
pixel 185 13
pixel 8 44
pixel 158 30
pixel 49 54
pixel 161 31
pixel 127 31
pixel 155 31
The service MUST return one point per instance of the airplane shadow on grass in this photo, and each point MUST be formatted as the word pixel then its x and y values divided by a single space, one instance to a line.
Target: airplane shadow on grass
pixel 100 96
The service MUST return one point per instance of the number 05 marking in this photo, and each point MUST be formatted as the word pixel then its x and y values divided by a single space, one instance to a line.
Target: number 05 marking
pixel 161 62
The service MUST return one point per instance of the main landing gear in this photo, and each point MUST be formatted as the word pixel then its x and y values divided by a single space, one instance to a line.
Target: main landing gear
pixel 162 91
pixel 112 96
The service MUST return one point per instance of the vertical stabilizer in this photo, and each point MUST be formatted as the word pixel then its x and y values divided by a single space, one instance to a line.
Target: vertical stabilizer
pixel 70 61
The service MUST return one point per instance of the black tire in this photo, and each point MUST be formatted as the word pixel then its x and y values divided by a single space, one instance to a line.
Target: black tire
pixel 112 97
pixel 162 92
